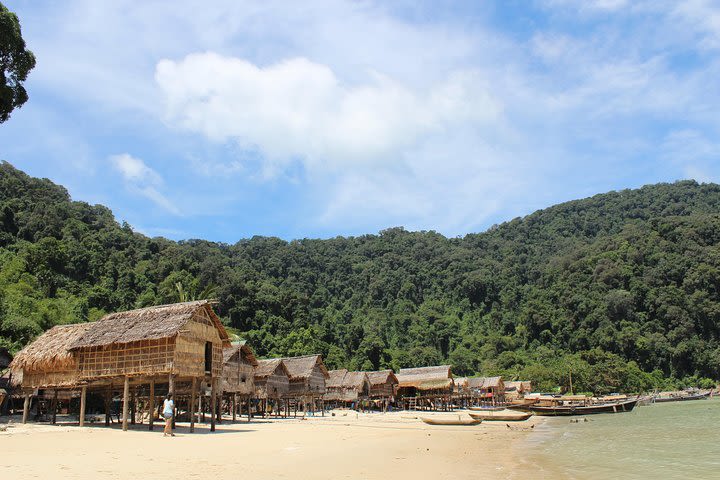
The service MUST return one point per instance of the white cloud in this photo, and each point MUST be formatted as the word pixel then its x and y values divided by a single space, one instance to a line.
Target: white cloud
pixel 142 180
pixel 298 110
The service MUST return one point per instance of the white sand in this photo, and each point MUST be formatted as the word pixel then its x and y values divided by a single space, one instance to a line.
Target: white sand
pixel 348 445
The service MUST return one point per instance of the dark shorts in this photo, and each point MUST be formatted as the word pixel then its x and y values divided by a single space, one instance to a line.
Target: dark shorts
pixel 167 416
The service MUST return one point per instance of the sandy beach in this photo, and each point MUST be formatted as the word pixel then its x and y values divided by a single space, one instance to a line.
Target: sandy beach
pixel 347 445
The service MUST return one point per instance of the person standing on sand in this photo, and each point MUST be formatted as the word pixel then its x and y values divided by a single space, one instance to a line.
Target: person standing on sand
pixel 168 410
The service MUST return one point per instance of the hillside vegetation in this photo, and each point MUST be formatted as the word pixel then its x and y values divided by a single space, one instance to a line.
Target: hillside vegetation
pixel 621 289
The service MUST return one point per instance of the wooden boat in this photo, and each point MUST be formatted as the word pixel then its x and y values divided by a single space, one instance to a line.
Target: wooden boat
pixel 486 409
pixel 451 421
pixel 567 410
pixel 501 417
pixel 682 398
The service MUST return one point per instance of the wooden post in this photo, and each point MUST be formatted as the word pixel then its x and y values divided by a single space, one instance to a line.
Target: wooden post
pixel 213 405
pixel 54 407
pixel 83 397
pixel 219 407
pixel 108 395
pixel 151 408
pixel 234 406
pixel 126 403
pixel 26 408
pixel 171 390
pixel 133 405
pixel 192 404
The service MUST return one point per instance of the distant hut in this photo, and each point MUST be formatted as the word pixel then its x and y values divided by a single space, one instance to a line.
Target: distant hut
pixel 345 387
pixel 461 386
pixel 307 378
pixel 487 389
pixel 238 375
pixel 272 380
pixel 426 387
pixel 383 384
pixel 334 385
pixel 517 389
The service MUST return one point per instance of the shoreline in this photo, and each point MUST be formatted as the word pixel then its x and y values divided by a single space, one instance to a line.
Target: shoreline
pixel 348 445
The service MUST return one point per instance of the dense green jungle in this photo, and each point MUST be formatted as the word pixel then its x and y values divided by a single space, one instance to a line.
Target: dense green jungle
pixel 621 289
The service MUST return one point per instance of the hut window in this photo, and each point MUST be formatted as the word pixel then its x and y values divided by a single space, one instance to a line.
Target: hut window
pixel 242 379
pixel 208 356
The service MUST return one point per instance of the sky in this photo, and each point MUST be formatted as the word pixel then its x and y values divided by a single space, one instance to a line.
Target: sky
pixel 227 119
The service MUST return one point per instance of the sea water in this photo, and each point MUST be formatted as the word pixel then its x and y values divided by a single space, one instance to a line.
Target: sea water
pixel 665 441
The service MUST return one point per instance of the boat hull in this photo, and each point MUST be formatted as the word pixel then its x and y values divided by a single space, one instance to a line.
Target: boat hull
pixel 566 411
pixel 701 396
pixel 499 417
pixel 450 422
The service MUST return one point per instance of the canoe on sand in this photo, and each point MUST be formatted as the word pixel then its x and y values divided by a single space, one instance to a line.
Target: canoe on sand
pixel 451 421
pixel 486 409
pixel 500 417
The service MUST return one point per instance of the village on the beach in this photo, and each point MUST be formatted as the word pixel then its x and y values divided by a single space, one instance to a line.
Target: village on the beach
pixel 118 370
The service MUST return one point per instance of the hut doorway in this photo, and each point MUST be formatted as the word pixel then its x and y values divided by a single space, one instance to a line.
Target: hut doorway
pixel 208 356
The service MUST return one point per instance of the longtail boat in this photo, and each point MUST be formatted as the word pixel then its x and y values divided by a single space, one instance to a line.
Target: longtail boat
pixel 683 398
pixel 591 409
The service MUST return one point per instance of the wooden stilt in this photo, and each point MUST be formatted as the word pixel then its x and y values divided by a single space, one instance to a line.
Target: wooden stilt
pixel 26 408
pixel 133 403
pixel 151 406
pixel 108 395
pixel 213 404
pixel 192 404
pixel 171 390
pixel 234 406
pixel 126 403
pixel 54 407
pixel 83 398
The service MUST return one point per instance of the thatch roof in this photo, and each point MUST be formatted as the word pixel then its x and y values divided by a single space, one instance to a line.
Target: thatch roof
pixel 484 382
pixel 51 350
pixel 381 377
pixel 266 368
pixel 149 323
pixel 336 378
pixel 301 368
pixel 426 378
pixel 355 380
pixel 244 349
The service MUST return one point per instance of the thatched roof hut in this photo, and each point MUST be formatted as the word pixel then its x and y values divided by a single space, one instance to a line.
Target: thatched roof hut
pixel 48 361
pixel 307 375
pixel 347 386
pixel 239 364
pixel 185 339
pixel 461 385
pixel 272 379
pixel 437 379
pixel 517 389
pixel 382 383
pixel 492 388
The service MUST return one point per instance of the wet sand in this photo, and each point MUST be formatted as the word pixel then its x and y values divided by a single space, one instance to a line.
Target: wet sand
pixel 348 445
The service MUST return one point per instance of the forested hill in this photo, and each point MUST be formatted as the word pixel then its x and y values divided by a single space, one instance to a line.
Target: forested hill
pixel 622 289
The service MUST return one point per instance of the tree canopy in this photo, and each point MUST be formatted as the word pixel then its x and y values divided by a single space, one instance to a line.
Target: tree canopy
pixel 621 289
pixel 16 61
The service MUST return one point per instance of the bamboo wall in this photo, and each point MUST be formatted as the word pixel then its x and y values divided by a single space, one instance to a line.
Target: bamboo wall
pixel 238 377
pixel 135 358
pixel 65 378
pixel 189 357
pixel 313 385
pixel 276 385
pixel 383 390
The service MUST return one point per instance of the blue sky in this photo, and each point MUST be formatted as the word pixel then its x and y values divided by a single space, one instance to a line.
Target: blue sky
pixel 227 119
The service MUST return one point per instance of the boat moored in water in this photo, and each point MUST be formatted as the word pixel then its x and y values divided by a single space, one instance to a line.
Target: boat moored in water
pixel 582 409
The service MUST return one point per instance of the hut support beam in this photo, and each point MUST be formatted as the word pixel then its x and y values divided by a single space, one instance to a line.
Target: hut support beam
pixel 126 403
pixel 133 405
pixel 213 404
pixel 54 407
pixel 192 405
pixel 151 405
pixel 108 395
pixel 83 398
pixel 234 407
pixel 171 390
pixel 26 408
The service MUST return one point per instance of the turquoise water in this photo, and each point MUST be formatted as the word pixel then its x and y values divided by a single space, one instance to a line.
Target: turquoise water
pixel 668 441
